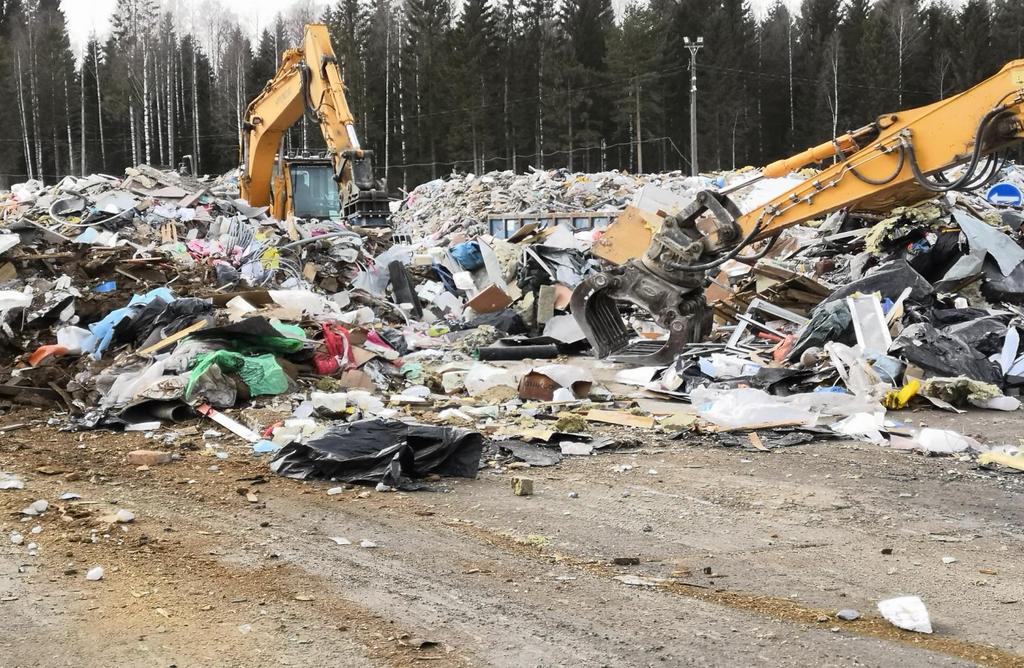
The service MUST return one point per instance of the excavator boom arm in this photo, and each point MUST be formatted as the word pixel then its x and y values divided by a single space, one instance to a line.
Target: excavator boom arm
pixel 308 81
pixel 892 161
pixel 900 159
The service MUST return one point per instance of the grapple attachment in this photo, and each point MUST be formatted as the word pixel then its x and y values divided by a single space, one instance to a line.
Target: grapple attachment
pixel 667 282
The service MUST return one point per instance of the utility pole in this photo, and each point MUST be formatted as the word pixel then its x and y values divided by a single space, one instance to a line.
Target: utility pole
pixel 639 151
pixel 693 46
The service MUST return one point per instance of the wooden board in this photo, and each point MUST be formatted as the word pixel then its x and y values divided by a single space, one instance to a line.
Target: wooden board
pixel 621 418
pixel 628 237
pixel 177 336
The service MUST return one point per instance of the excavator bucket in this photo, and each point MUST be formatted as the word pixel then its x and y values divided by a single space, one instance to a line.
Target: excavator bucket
pixel 595 303
pixel 370 206
pixel 667 282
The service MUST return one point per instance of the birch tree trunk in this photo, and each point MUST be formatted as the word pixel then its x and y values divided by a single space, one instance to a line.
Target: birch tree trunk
pixel 540 108
pixel 568 108
pixel 363 100
pixel 509 153
pixel 145 104
pixel 56 155
pixel 99 108
pixel 81 124
pixel 181 95
pixel 195 114
pixel 901 28
pixel 401 109
pixel 157 109
pixel 24 122
pixel 239 98
pixel 170 89
pixel 789 49
pixel 131 124
pixel 835 88
pixel 387 95
pixel 34 96
pixel 67 118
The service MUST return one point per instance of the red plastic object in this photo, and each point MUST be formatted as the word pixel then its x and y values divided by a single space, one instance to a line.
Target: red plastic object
pixel 339 350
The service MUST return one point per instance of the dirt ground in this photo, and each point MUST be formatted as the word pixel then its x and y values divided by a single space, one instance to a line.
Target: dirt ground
pixel 744 557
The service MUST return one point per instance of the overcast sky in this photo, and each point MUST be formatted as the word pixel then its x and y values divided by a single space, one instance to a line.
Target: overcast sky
pixel 86 16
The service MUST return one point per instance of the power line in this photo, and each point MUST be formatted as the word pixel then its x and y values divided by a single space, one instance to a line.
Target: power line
pixel 533 154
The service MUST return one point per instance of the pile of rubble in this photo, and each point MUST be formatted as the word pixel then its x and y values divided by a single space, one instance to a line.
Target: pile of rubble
pixel 143 302
pixel 463 204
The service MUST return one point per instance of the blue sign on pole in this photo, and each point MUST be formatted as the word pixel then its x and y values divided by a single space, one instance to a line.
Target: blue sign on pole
pixel 1005 194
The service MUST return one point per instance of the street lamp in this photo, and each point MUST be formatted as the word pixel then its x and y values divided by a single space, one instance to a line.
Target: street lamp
pixel 693 46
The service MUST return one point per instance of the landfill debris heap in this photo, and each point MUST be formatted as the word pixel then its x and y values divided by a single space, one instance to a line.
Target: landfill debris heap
pixel 140 302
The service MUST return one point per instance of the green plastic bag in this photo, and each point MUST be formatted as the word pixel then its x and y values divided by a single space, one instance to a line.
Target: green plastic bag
pixel 261 373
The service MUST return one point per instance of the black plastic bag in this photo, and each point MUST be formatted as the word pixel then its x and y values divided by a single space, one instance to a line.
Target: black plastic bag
pixel 830 321
pixel 382 451
pixel 506 321
pixel 158 319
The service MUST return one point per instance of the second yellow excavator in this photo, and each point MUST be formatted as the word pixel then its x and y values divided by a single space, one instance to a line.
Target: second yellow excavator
pixel 339 184
pixel 900 159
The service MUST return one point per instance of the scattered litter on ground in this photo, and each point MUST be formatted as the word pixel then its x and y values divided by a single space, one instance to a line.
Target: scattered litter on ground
pixel 906 612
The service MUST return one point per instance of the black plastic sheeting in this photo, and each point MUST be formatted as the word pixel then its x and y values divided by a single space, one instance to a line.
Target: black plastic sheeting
pixel 941 354
pixel 382 451
pixel 506 321
pixel 889 280
pixel 1003 288
pixel 149 323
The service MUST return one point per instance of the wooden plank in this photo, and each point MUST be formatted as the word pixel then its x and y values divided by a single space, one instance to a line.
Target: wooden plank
pixel 759 425
pixel 621 418
pixel 168 233
pixel 173 338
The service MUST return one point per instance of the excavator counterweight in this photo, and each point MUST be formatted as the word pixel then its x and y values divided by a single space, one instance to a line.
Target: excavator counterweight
pixel 900 159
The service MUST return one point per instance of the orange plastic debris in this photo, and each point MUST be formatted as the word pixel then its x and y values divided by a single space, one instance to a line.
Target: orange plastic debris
pixel 42 352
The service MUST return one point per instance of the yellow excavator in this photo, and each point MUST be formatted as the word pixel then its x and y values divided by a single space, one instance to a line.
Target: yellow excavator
pixel 901 158
pixel 336 185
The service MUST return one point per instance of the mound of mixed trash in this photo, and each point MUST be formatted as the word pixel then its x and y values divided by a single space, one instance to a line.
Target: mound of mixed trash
pixel 145 301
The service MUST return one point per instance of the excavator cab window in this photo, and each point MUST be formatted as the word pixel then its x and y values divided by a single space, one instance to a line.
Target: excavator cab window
pixel 314 191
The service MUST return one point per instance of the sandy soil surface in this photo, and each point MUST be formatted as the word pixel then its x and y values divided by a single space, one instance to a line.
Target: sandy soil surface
pixel 742 557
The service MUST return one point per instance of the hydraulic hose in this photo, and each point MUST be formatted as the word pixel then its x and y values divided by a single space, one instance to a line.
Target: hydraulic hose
pixel 970 173
pixel 307 100
pixel 994 165
pixel 743 243
pixel 901 159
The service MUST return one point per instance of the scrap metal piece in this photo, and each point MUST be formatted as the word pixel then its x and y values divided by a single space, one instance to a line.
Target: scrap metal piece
pixel 760 305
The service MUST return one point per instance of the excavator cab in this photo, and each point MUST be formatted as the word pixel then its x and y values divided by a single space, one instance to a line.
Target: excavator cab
pixel 312 188
pixel 312 191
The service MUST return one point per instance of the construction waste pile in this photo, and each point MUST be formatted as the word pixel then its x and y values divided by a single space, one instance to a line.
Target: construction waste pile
pixel 166 305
